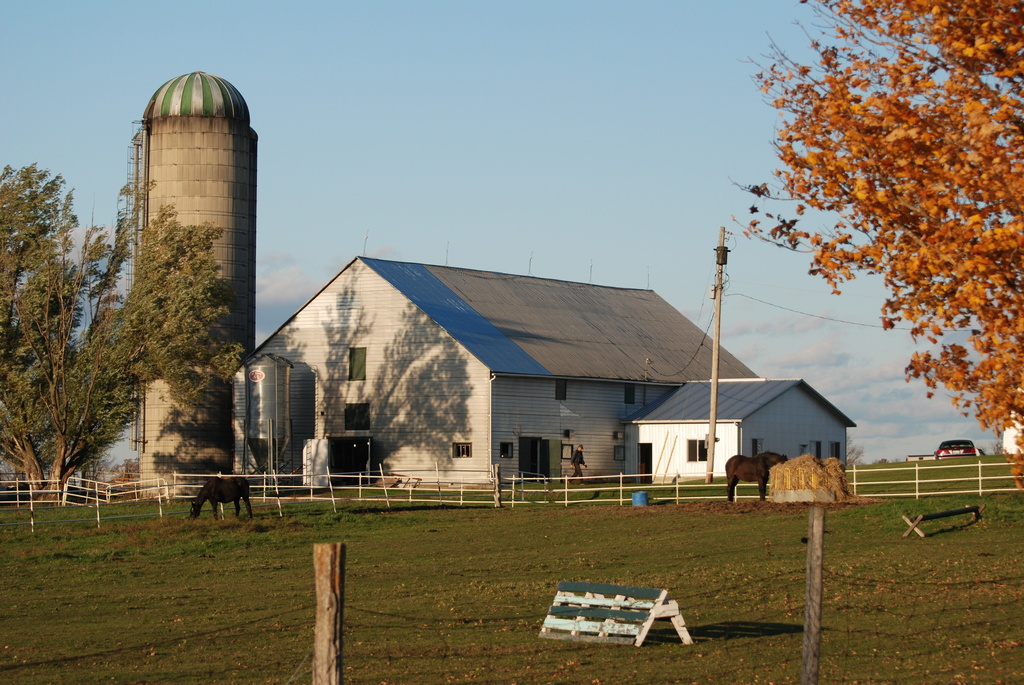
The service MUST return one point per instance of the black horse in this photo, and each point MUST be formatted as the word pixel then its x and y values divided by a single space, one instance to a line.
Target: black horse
pixel 750 469
pixel 217 490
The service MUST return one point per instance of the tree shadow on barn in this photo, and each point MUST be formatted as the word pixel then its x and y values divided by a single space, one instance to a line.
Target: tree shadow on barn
pixel 390 378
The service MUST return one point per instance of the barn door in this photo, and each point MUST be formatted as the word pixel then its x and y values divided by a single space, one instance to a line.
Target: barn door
pixel 349 455
pixel 645 461
pixel 529 456
pixel 535 455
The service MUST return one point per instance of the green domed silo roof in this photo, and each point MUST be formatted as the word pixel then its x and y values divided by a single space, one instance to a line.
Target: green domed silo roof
pixel 197 95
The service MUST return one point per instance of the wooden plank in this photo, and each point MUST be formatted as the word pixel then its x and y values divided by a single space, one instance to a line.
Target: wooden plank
pixel 617 601
pixel 607 589
pixel 588 638
pixel 955 512
pixel 598 612
pixel 651 616
pixel 913 523
pixel 598 627
pixel 680 625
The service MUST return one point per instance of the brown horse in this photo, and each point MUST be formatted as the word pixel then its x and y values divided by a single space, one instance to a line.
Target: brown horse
pixel 217 490
pixel 750 469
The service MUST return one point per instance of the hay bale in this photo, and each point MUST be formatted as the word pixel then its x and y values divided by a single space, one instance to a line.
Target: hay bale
pixel 823 479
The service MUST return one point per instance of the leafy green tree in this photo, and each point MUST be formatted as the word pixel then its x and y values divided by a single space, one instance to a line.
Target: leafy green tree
pixel 75 351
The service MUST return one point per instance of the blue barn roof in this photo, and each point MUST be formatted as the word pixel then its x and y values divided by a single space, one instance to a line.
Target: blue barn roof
pixel 488 344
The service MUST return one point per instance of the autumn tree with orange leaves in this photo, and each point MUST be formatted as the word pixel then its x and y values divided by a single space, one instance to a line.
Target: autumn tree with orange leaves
pixel 908 132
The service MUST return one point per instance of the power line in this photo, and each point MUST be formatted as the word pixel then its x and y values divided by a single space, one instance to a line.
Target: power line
pixel 817 316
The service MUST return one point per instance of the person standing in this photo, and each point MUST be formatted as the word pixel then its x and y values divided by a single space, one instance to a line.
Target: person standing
pixel 577 461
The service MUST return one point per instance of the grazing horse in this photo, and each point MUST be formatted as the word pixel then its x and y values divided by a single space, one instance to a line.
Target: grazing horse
pixel 217 490
pixel 750 469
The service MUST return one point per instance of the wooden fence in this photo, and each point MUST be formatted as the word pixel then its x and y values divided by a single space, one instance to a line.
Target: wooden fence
pixel 20 504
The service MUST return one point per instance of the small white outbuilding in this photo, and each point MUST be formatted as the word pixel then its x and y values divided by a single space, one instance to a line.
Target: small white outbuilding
pixel 754 415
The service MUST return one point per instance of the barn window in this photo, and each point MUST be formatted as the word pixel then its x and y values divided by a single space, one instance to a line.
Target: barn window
pixel 756 446
pixel 816 448
pixel 629 394
pixel 620 453
pixel 696 450
pixel 357 363
pixel 505 450
pixel 462 450
pixel 560 386
pixel 357 416
pixel 834 450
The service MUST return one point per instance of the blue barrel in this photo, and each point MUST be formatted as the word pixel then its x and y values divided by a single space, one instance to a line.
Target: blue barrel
pixel 640 499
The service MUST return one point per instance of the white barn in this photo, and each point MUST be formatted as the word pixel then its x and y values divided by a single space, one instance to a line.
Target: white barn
pixel 753 415
pixel 415 368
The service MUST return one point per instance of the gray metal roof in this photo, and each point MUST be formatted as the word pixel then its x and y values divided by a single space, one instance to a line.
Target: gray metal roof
pixel 737 399
pixel 528 325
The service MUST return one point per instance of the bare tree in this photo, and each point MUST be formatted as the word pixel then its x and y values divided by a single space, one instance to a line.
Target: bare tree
pixel 854 453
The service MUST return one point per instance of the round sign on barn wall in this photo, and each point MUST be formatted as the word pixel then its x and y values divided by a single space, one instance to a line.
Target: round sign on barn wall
pixel 256 375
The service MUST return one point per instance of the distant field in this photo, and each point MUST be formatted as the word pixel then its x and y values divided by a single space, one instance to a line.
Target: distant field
pixel 447 595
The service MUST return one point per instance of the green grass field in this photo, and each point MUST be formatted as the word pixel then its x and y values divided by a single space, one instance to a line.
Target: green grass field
pixel 457 595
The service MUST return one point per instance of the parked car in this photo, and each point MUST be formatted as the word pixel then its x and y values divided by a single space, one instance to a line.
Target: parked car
pixel 957 448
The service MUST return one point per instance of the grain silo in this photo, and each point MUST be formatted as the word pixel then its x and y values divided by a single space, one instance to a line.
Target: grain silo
pixel 197 152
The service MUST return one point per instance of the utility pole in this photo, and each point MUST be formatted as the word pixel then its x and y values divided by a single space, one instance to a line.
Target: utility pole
pixel 721 258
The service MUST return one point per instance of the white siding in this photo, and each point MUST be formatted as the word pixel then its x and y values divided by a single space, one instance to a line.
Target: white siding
pixel 592 411
pixel 792 423
pixel 425 391
pixel 670 443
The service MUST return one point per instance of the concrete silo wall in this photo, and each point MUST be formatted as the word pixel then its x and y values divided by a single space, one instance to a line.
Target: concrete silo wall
pixel 206 168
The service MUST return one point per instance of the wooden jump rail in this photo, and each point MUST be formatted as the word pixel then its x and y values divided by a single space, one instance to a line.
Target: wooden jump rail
pixel 597 612
pixel 398 480
pixel 916 521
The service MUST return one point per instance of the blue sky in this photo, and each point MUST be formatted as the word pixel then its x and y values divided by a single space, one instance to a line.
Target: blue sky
pixel 582 140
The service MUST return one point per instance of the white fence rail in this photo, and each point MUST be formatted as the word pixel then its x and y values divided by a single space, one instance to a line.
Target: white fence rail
pixel 28 503
pixel 923 479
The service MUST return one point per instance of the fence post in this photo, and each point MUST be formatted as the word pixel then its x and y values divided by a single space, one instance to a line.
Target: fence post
pixel 97 491
pixel 979 477
pixel 497 486
pixel 277 491
pixel 384 484
pixel 812 605
pixel 917 480
pixel 329 570
pixel 437 476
